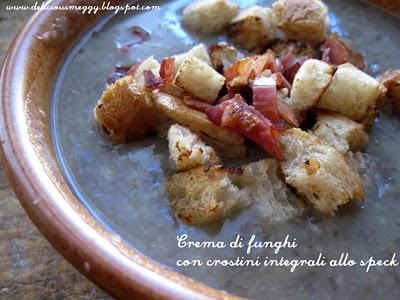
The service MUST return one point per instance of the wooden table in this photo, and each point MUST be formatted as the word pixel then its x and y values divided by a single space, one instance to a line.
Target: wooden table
pixel 29 266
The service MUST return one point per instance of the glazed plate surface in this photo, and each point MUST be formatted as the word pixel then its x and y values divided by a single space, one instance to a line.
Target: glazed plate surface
pixel 123 185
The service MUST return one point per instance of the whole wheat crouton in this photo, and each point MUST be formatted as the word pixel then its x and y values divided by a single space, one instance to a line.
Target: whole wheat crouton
pixel 199 51
pixel 351 93
pixel 342 133
pixel 318 172
pixel 253 28
pixel 210 193
pixel 205 194
pixel 199 79
pixel 187 150
pixel 209 15
pixel 303 20
pixel 227 143
pixel 310 82
pixel 126 113
pixel 391 80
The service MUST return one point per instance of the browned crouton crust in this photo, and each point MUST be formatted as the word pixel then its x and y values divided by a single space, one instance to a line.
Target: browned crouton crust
pixel 214 192
pixel 187 150
pixel 125 113
pixel 353 94
pixel 318 172
pixel 340 132
pixel 205 194
pixel 253 28
pixel 304 20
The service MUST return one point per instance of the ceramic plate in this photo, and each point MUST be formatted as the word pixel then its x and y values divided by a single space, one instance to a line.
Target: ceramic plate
pixel 122 186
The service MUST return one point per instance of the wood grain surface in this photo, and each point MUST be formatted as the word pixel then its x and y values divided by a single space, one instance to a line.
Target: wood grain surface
pixel 29 266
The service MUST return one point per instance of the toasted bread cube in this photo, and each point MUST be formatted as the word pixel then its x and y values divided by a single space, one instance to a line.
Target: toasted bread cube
pixel 205 194
pixel 310 82
pixel 318 172
pixel 199 80
pixel 227 143
pixel 342 133
pixel 269 193
pixel 253 28
pixel 198 51
pixel 391 81
pixel 211 193
pixel 302 20
pixel 209 15
pixel 125 113
pixel 148 64
pixel 351 93
pixel 187 150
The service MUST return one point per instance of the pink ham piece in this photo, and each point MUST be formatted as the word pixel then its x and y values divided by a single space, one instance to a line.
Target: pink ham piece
pixel 151 80
pixel 286 113
pixel 288 60
pixel 265 101
pixel 281 81
pixel 228 96
pixel 277 66
pixel 240 117
pixel 264 97
pixel 136 35
pixel 335 51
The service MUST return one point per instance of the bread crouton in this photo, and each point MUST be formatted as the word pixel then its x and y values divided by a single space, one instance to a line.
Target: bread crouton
pixel 206 194
pixel 209 15
pixel 211 193
pixel 310 82
pixel 303 20
pixel 318 172
pixel 148 64
pixel 253 28
pixel 271 196
pixel 199 79
pixel 222 56
pixel 342 133
pixel 351 93
pixel 391 80
pixel 227 143
pixel 187 150
pixel 199 51
pixel 126 113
